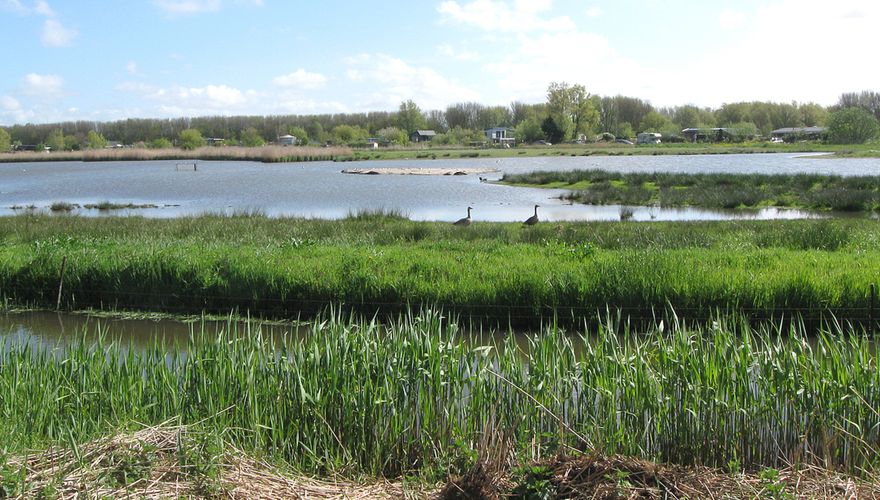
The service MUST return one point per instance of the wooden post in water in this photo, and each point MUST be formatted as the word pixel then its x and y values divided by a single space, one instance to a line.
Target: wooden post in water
pixel 61 282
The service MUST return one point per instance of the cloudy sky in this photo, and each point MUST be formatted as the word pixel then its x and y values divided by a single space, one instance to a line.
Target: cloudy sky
pixel 101 60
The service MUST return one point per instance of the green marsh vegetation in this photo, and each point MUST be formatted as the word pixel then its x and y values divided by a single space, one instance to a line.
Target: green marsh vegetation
pixel 500 273
pixel 809 191
pixel 416 395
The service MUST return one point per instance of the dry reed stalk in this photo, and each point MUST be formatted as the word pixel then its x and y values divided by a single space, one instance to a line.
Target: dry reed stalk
pixel 87 472
pixel 232 153
pixel 597 476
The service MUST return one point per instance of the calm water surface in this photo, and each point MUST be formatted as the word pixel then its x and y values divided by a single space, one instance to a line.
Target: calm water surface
pixel 49 329
pixel 321 190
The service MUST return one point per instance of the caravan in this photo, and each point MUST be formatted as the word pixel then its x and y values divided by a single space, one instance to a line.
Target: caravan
pixel 648 138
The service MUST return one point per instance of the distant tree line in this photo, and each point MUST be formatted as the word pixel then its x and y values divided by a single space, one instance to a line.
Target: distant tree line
pixel 570 113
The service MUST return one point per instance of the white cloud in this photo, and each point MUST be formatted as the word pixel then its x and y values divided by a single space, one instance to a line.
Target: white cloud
pixel 131 67
pixel 396 81
pixel 183 7
pixel 11 111
pixel 594 11
pixel 503 16
pixel 730 20
pixel 535 61
pixel 450 52
pixel 42 85
pixel 788 51
pixel 9 103
pixel 194 101
pixel 210 97
pixel 56 35
pixel 301 79
pixel 42 8
pixel 308 106
pixel 13 6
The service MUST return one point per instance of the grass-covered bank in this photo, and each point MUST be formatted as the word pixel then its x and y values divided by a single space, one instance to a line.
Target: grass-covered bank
pixel 433 152
pixel 416 396
pixel 810 191
pixel 499 272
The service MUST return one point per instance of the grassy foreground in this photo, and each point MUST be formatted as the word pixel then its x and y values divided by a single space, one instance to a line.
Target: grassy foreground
pixel 498 272
pixel 416 395
pixel 812 191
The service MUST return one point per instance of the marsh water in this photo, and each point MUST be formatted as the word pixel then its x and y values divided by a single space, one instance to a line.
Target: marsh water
pixel 56 329
pixel 321 190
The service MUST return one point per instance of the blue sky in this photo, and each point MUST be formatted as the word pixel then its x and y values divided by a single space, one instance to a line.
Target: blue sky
pixel 102 60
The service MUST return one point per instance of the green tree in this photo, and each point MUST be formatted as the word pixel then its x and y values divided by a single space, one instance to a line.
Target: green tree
pixel 251 138
pixel 459 136
pixel 623 130
pixel 529 130
pixel 552 130
pixel 654 122
pixel 786 115
pixel 159 143
pixel 5 140
pixel 572 109
pixel 55 140
pixel 72 143
pixel 315 131
pixel 813 115
pixel 302 137
pixel 692 117
pixel 393 135
pixel 742 131
pixel 346 134
pixel 852 126
pixel 191 138
pixel 410 118
pixel 96 140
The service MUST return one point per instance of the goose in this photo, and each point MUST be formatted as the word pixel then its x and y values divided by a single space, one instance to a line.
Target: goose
pixel 464 221
pixel 531 221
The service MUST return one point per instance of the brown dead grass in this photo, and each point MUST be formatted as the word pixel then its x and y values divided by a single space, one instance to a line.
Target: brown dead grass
pixel 93 470
pixel 153 467
pixel 618 477
pixel 229 153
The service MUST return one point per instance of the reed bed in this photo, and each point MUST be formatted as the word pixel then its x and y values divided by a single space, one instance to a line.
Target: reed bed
pixel 267 154
pixel 418 394
pixel 499 273
pixel 813 191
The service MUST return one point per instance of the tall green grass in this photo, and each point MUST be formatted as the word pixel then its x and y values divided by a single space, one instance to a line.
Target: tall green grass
pixel 502 273
pixel 417 393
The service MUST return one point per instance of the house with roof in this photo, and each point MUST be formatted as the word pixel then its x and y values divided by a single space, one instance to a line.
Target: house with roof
pixel 500 135
pixel 789 134
pixel 422 136
pixel 287 140
pixel 713 134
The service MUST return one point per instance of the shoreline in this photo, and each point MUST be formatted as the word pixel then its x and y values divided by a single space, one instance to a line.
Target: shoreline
pixel 292 154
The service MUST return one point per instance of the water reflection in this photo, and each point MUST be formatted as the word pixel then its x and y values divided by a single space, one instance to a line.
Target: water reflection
pixel 57 329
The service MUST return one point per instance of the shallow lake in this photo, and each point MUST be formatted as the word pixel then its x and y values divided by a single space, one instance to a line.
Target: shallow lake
pixel 321 190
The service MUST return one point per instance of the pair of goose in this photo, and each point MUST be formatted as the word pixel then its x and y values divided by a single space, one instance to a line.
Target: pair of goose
pixel 466 221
